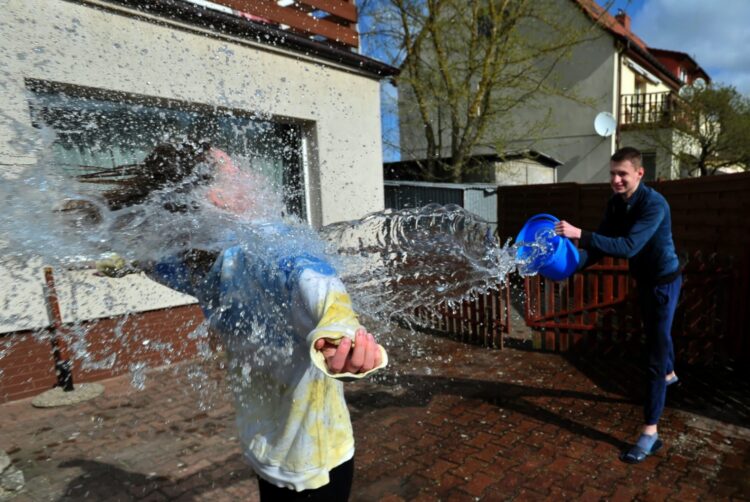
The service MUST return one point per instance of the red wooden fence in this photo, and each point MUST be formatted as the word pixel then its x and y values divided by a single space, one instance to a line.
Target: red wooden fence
pixel 483 320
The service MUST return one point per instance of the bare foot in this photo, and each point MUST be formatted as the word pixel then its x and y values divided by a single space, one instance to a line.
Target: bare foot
pixel 649 430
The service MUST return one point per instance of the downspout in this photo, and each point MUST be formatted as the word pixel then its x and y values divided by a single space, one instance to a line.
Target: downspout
pixel 618 101
pixel 63 365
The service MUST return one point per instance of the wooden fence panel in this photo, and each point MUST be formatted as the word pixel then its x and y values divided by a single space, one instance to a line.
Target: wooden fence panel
pixel 481 321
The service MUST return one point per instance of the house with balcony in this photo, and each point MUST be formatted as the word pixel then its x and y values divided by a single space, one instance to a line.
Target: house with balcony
pixel 611 71
pixel 649 101
pixel 94 84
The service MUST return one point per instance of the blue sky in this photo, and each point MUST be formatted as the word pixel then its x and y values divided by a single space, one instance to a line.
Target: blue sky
pixel 629 6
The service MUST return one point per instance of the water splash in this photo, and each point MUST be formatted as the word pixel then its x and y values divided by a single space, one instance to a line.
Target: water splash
pixel 392 261
pixel 398 261
pixel 73 224
pixel 531 255
pixel 138 375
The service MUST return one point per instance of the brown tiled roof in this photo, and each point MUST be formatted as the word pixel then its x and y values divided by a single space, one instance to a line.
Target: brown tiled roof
pixel 608 21
pixel 600 15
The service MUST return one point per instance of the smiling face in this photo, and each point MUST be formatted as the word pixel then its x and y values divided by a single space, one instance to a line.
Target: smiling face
pixel 624 177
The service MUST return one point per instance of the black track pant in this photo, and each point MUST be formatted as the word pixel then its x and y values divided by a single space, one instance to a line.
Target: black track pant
pixel 337 490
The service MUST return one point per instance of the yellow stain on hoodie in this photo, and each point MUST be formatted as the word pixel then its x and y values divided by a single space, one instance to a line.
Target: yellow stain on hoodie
pixel 337 309
pixel 321 426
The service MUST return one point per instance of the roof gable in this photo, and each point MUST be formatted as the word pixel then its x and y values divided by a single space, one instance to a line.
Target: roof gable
pixel 633 43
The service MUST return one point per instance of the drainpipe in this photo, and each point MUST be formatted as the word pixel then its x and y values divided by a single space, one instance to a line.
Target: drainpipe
pixel 63 366
pixel 618 101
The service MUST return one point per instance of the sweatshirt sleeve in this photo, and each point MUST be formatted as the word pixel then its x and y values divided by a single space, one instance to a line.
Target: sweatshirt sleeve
pixel 172 272
pixel 629 245
pixel 329 306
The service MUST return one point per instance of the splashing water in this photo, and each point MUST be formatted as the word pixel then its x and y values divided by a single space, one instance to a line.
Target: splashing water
pixel 138 375
pixel 392 261
pixel 35 232
pixel 398 261
pixel 531 255
pixel 64 234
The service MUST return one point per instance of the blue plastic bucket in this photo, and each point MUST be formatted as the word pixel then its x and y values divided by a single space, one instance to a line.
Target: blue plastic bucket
pixel 561 263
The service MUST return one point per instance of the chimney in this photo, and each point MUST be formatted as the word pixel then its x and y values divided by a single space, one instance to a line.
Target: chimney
pixel 623 19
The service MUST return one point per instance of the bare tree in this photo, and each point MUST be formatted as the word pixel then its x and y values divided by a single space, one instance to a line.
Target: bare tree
pixel 467 65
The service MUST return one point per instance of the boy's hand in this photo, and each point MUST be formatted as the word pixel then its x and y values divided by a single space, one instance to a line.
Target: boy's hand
pixel 567 230
pixel 343 357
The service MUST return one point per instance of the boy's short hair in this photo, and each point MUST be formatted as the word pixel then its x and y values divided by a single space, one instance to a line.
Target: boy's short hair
pixel 628 153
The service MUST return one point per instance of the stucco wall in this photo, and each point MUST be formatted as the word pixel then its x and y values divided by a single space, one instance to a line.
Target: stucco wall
pixel 81 295
pixel 661 142
pixel 106 47
pixel 589 78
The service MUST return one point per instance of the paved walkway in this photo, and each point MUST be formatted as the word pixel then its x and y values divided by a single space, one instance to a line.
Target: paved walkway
pixel 447 422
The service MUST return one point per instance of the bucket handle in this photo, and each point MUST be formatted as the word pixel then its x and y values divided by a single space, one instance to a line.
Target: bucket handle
pixel 545 216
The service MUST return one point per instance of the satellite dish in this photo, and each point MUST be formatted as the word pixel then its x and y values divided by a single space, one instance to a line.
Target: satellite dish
pixel 605 124
pixel 699 83
pixel 684 91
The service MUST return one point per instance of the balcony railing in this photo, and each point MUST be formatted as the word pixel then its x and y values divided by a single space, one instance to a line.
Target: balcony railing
pixel 656 108
pixel 333 21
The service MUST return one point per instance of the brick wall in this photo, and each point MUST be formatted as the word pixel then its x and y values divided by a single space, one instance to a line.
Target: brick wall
pixel 27 362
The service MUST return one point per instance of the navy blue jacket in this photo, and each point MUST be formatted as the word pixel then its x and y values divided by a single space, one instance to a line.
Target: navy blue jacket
pixel 639 229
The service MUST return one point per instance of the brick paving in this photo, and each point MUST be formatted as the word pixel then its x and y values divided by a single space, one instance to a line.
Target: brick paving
pixel 448 421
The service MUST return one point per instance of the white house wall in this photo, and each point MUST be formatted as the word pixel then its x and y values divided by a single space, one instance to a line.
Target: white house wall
pixel 661 142
pixel 106 47
pixel 22 297
pixel 523 172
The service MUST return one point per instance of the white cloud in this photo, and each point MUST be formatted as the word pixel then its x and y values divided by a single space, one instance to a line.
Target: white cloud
pixel 715 34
